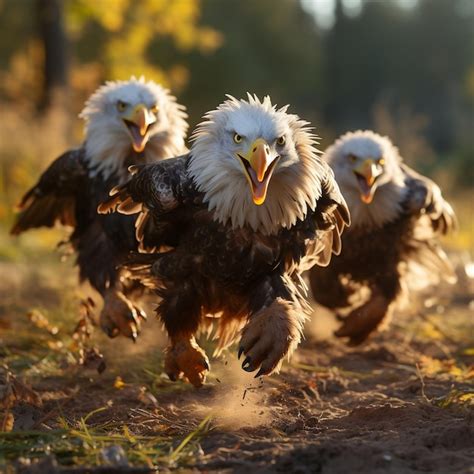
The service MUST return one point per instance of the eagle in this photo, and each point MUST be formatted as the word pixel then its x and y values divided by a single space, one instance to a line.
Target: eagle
pixel 228 228
pixel 397 217
pixel 126 123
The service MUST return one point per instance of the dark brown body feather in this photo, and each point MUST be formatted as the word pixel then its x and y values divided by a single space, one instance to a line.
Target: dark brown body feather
pixel 380 258
pixel 213 268
pixel 68 193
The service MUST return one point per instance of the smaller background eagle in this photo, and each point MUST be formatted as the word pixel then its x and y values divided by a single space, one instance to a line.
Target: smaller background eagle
pixel 397 216
pixel 126 123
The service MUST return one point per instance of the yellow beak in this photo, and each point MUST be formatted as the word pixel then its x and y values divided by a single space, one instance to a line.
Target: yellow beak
pixel 258 165
pixel 138 122
pixel 367 173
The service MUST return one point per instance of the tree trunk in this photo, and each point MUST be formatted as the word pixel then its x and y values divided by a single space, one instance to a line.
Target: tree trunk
pixel 53 37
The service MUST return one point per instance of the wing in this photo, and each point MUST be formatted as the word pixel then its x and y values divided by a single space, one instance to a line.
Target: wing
pixel 332 218
pixel 428 263
pixel 53 198
pixel 153 191
pixel 425 197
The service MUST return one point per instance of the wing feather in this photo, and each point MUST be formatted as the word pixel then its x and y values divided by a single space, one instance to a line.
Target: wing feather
pixel 424 196
pixel 53 198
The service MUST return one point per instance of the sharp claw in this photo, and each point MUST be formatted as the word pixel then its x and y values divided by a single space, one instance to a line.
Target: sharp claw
pixel 260 373
pixel 172 377
pixel 241 350
pixel 247 364
pixel 205 364
pixel 134 336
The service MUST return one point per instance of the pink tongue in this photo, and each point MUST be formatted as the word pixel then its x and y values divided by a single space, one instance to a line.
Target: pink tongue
pixel 138 140
pixel 365 189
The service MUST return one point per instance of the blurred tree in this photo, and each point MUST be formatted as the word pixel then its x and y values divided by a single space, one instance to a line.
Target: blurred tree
pixel 269 48
pixel 108 39
pixel 53 38
pixel 399 57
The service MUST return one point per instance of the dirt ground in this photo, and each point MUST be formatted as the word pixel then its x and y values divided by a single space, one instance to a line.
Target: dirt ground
pixel 401 403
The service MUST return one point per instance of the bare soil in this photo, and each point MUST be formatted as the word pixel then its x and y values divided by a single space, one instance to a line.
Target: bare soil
pixel 401 403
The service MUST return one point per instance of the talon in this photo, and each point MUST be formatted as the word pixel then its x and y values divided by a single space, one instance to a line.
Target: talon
pixel 260 373
pixel 206 365
pixel 241 350
pixel 247 364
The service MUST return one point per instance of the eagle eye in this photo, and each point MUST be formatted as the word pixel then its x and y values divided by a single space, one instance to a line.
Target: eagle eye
pixel 352 157
pixel 281 140
pixel 381 162
pixel 238 138
pixel 121 105
pixel 154 109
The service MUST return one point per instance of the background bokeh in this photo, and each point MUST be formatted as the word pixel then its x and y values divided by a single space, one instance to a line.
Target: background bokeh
pixel 402 67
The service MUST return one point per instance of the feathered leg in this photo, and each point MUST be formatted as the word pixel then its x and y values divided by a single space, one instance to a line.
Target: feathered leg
pixel 365 319
pixel 180 311
pixel 274 330
pixel 328 289
pixel 119 315
pixel 98 260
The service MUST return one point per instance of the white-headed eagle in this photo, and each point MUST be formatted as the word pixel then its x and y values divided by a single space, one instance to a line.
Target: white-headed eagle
pixel 397 216
pixel 126 123
pixel 236 219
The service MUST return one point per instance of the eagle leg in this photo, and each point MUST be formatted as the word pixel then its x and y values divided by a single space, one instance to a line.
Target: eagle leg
pixel 120 316
pixel 180 312
pixel 185 358
pixel 328 289
pixel 271 334
pixel 363 320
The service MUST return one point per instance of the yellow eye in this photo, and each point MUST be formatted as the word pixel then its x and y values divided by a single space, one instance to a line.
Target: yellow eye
pixel 381 161
pixel 281 140
pixel 353 158
pixel 237 138
pixel 154 109
pixel 121 106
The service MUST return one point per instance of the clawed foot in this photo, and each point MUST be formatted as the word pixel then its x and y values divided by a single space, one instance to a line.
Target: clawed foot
pixel 360 322
pixel 121 316
pixel 185 358
pixel 269 336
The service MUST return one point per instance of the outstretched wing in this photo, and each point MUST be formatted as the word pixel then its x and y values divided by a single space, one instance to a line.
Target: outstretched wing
pixel 53 198
pixel 153 190
pixel 424 197
pixel 332 217
pixel 428 263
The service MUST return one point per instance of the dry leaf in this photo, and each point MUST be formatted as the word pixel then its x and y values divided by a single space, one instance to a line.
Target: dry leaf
pixel 41 321
pixel 7 421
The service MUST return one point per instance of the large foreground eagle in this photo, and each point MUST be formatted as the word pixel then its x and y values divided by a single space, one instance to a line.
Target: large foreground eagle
pixel 126 123
pixel 241 215
pixel 397 216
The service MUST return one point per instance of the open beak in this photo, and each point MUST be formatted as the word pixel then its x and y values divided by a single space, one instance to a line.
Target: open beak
pixel 367 173
pixel 138 122
pixel 258 165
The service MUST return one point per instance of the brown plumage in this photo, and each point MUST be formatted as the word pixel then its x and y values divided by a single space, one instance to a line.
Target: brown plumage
pixel 127 123
pixel 397 217
pixel 217 255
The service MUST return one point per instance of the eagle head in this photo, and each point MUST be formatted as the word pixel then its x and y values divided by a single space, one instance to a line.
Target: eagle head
pixel 367 169
pixel 257 165
pixel 122 116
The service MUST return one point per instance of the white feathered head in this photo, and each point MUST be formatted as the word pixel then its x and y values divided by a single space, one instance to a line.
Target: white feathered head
pixel 257 165
pixel 134 115
pixel 367 169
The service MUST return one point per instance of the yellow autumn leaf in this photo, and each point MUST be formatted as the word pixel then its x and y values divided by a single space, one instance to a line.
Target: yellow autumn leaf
pixel 119 384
